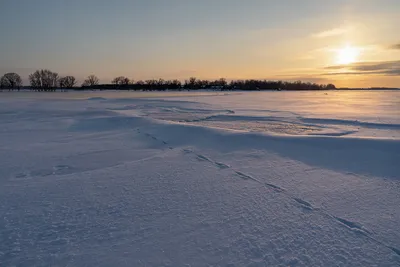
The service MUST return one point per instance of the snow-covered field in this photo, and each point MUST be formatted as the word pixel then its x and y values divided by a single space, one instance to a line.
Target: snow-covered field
pixel 200 179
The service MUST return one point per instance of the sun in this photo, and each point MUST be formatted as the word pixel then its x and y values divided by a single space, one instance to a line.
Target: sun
pixel 347 55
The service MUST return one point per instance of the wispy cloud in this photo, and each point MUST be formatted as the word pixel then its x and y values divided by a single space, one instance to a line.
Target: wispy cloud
pixel 332 32
pixel 388 68
pixel 395 46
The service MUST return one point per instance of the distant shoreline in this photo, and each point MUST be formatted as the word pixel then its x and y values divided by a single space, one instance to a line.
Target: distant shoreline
pixel 79 89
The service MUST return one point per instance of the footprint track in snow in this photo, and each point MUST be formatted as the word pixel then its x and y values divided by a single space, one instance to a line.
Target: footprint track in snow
pixel 38 173
pixel 155 138
pixel 246 176
pixel 305 205
pixel 203 158
pixel 200 157
pixel 275 187
pixel 222 165
pixel 395 250
pixel 352 225
pixel 21 176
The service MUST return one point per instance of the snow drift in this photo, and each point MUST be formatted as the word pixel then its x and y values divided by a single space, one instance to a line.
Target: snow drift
pixel 191 182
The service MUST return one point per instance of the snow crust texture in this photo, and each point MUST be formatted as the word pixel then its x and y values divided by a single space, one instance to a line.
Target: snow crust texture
pixel 218 179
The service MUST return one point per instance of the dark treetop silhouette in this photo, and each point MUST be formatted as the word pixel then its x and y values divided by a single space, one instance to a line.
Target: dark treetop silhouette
pixel 46 80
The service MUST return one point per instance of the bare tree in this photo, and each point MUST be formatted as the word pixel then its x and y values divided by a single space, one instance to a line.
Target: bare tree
pixel 191 83
pixel 222 82
pixel 67 82
pixel 330 86
pixel 175 84
pixel 11 81
pixel 90 81
pixel 44 80
pixel 121 80
pixel 150 84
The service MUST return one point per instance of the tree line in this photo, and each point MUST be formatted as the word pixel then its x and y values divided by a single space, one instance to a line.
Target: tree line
pixel 46 80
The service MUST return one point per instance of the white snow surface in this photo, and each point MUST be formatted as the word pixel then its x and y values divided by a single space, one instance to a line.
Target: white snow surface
pixel 200 179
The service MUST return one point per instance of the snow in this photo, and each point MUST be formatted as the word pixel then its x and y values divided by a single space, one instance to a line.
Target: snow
pixel 207 179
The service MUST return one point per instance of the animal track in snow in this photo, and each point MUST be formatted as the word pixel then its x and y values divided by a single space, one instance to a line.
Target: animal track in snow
pixel 395 250
pixel 304 204
pixel 245 176
pixel 203 158
pixel 61 167
pixel 55 170
pixel 217 164
pixel 275 187
pixel 155 138
pixel 222 165
pixel 352 225
pixel 22 176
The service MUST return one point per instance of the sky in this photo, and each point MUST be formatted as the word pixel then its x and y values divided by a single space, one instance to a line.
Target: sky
pixel 351 43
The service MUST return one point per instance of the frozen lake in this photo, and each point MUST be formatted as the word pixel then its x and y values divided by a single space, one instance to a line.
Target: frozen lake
pixel 200 179
pixel 355 113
